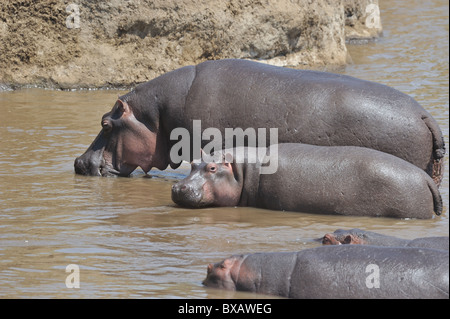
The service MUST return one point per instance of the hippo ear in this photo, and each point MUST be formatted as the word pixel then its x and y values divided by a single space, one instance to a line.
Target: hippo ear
pixel 123 106
pixel 326 240
pixel 194 165
pixel 227 158
pixel 210 268
pixel 227 161
pixel 227 263
pixel 231 162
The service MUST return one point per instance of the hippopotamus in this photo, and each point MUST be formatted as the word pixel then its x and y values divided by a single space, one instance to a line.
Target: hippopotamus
pixel 346 271
pixel 311 107
pixel 345 180
pixel 357 236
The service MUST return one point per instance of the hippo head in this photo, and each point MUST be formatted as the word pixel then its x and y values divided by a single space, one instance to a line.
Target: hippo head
pixel 342 237
pixel 209 184
pixel 223 274
pixel 128 139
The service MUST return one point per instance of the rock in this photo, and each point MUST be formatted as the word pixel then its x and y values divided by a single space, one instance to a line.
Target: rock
pixel 59 44
pixel 362 20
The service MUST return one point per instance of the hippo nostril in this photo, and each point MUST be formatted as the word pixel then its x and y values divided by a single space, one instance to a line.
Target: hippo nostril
pixel 178 187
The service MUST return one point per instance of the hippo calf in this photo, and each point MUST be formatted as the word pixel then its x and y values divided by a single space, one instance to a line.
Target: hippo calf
pixel 363 237
pixel 345 180
pixel 346 271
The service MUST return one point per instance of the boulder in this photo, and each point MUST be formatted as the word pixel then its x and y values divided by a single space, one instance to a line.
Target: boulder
pixel 96 44
pixel 362 21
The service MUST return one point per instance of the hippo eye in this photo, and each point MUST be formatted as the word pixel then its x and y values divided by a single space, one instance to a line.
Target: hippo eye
pixel 212 169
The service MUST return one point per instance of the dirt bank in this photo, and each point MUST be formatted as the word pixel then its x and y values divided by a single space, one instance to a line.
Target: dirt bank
pixel 92 44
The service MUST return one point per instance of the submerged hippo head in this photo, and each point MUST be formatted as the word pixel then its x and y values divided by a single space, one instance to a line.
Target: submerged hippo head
pixel 128 140
pixel 344 237
pixel 209 184
pixel 233 273
pixel 219 275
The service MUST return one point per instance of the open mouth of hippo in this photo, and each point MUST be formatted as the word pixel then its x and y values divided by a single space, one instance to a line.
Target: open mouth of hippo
pixel 100 163
pixel 111 172
pixel 107 170
pixel 110 167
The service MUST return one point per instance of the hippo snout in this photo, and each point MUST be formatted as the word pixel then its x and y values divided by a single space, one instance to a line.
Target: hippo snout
pixel 177 191
pixel 80 166
pixel 186 195
pixel 84 166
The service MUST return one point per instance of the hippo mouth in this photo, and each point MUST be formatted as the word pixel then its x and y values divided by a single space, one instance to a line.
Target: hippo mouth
pixel 106 170
pixel 188 201
pixel 100 163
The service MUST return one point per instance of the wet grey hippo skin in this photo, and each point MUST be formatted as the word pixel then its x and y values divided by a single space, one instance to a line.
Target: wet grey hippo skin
pixel 342 180
pixel 345 271
pixel 362 237
pixel 310 107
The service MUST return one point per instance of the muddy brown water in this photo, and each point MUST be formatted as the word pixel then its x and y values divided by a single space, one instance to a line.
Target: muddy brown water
pixel 126 236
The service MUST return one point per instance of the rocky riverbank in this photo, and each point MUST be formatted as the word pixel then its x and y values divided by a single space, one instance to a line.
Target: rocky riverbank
pixel 75 44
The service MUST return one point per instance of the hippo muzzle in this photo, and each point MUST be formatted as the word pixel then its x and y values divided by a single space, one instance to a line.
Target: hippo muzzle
pixel 94 166
pixel 93 163
pixel 85 166
pixel 187 195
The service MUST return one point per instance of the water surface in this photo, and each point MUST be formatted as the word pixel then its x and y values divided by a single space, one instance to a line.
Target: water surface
pixel 126 235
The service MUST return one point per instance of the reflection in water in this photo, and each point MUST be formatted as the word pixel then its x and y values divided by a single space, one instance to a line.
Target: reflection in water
pixel 126 235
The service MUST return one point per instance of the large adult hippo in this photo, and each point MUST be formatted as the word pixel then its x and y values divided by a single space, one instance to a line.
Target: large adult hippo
pixel 357 236
pixel 346 180
pixel 306 106
pixel 347 271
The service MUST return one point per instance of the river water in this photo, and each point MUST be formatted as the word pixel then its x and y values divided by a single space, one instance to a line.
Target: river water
pixel 126 236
